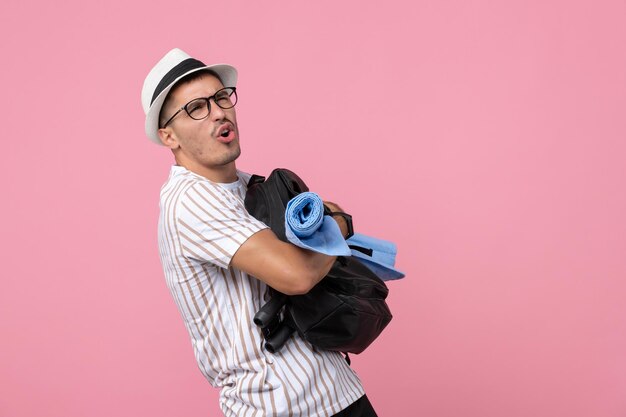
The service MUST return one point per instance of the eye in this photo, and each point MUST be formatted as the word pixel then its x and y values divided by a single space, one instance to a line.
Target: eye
pixel 196 107
pixel 222 97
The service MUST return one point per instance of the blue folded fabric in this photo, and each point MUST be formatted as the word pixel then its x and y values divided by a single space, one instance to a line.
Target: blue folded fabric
pixel 377 254
pixel 307 227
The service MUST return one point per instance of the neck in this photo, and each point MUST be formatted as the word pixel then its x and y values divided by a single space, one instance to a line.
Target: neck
pixel 223 174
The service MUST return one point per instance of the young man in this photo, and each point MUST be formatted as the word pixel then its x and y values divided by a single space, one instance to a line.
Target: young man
pixel 219 260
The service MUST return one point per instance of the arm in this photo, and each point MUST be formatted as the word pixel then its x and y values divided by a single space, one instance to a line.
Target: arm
pixel 283 266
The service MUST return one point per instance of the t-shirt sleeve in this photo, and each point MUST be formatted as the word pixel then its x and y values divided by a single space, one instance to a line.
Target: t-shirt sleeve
pixel 213 223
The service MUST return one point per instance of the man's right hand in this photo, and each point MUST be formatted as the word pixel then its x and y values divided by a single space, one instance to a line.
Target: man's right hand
pixel 343 225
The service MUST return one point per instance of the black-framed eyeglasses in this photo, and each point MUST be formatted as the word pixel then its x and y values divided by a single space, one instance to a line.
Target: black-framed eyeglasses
pixel 200 108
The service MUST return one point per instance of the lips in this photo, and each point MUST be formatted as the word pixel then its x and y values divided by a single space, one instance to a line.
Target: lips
pixel 226 133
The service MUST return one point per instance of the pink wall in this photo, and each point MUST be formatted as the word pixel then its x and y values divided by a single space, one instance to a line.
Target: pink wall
pixel 486 138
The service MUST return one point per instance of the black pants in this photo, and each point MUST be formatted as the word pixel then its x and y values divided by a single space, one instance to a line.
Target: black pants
pixel 360 408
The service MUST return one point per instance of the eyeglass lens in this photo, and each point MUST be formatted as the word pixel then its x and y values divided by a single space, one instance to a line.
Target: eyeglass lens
pixel 199 108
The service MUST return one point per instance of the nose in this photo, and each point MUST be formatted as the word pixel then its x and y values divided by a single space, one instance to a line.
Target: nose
pixel 217 113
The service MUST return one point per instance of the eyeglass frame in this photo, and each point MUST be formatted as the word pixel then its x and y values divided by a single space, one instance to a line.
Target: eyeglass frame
pixel 208 101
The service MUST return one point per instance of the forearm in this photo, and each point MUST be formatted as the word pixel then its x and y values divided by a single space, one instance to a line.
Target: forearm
pixel 283 266
pixel 318 263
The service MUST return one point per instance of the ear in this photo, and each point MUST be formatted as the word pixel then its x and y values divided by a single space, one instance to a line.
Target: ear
pixel 168 138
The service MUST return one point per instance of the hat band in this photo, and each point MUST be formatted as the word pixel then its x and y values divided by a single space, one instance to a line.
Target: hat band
pixel 181 69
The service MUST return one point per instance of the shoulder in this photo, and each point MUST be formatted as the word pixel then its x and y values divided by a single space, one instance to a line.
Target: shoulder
pixel 187 194
pixel 184 187
pixel 177 185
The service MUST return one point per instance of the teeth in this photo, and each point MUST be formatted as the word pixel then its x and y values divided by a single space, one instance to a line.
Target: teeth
pixel 225 133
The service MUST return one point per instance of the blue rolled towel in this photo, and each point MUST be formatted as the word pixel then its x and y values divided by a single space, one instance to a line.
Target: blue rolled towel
pixel 307 227
pixel 305 214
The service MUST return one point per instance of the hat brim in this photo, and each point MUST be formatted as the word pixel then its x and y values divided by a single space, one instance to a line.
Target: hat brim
pixel 227 75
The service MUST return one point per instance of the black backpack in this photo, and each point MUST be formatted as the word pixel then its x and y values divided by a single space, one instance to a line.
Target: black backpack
pixel 344 312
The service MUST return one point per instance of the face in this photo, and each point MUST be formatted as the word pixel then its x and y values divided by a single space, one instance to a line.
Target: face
pixel 208 147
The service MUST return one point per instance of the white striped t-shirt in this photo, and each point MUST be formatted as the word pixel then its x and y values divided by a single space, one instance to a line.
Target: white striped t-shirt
pixel 201 226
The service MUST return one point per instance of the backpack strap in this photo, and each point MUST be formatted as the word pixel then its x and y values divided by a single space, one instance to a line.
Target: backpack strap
pixel 361 249
pixel 255 179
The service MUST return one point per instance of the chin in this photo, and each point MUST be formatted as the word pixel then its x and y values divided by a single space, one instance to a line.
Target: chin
pixel 232 156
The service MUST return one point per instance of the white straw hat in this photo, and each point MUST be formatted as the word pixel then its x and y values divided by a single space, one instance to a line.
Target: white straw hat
pixel 165 74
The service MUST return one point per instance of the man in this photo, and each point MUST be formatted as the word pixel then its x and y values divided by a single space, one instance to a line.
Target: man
pixel 219 260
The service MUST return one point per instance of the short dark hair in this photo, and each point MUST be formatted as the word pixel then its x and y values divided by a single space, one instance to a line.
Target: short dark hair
pixel 185 80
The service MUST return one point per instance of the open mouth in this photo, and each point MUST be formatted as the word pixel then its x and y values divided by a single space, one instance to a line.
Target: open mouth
pixel 225 130
pixel 226 133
